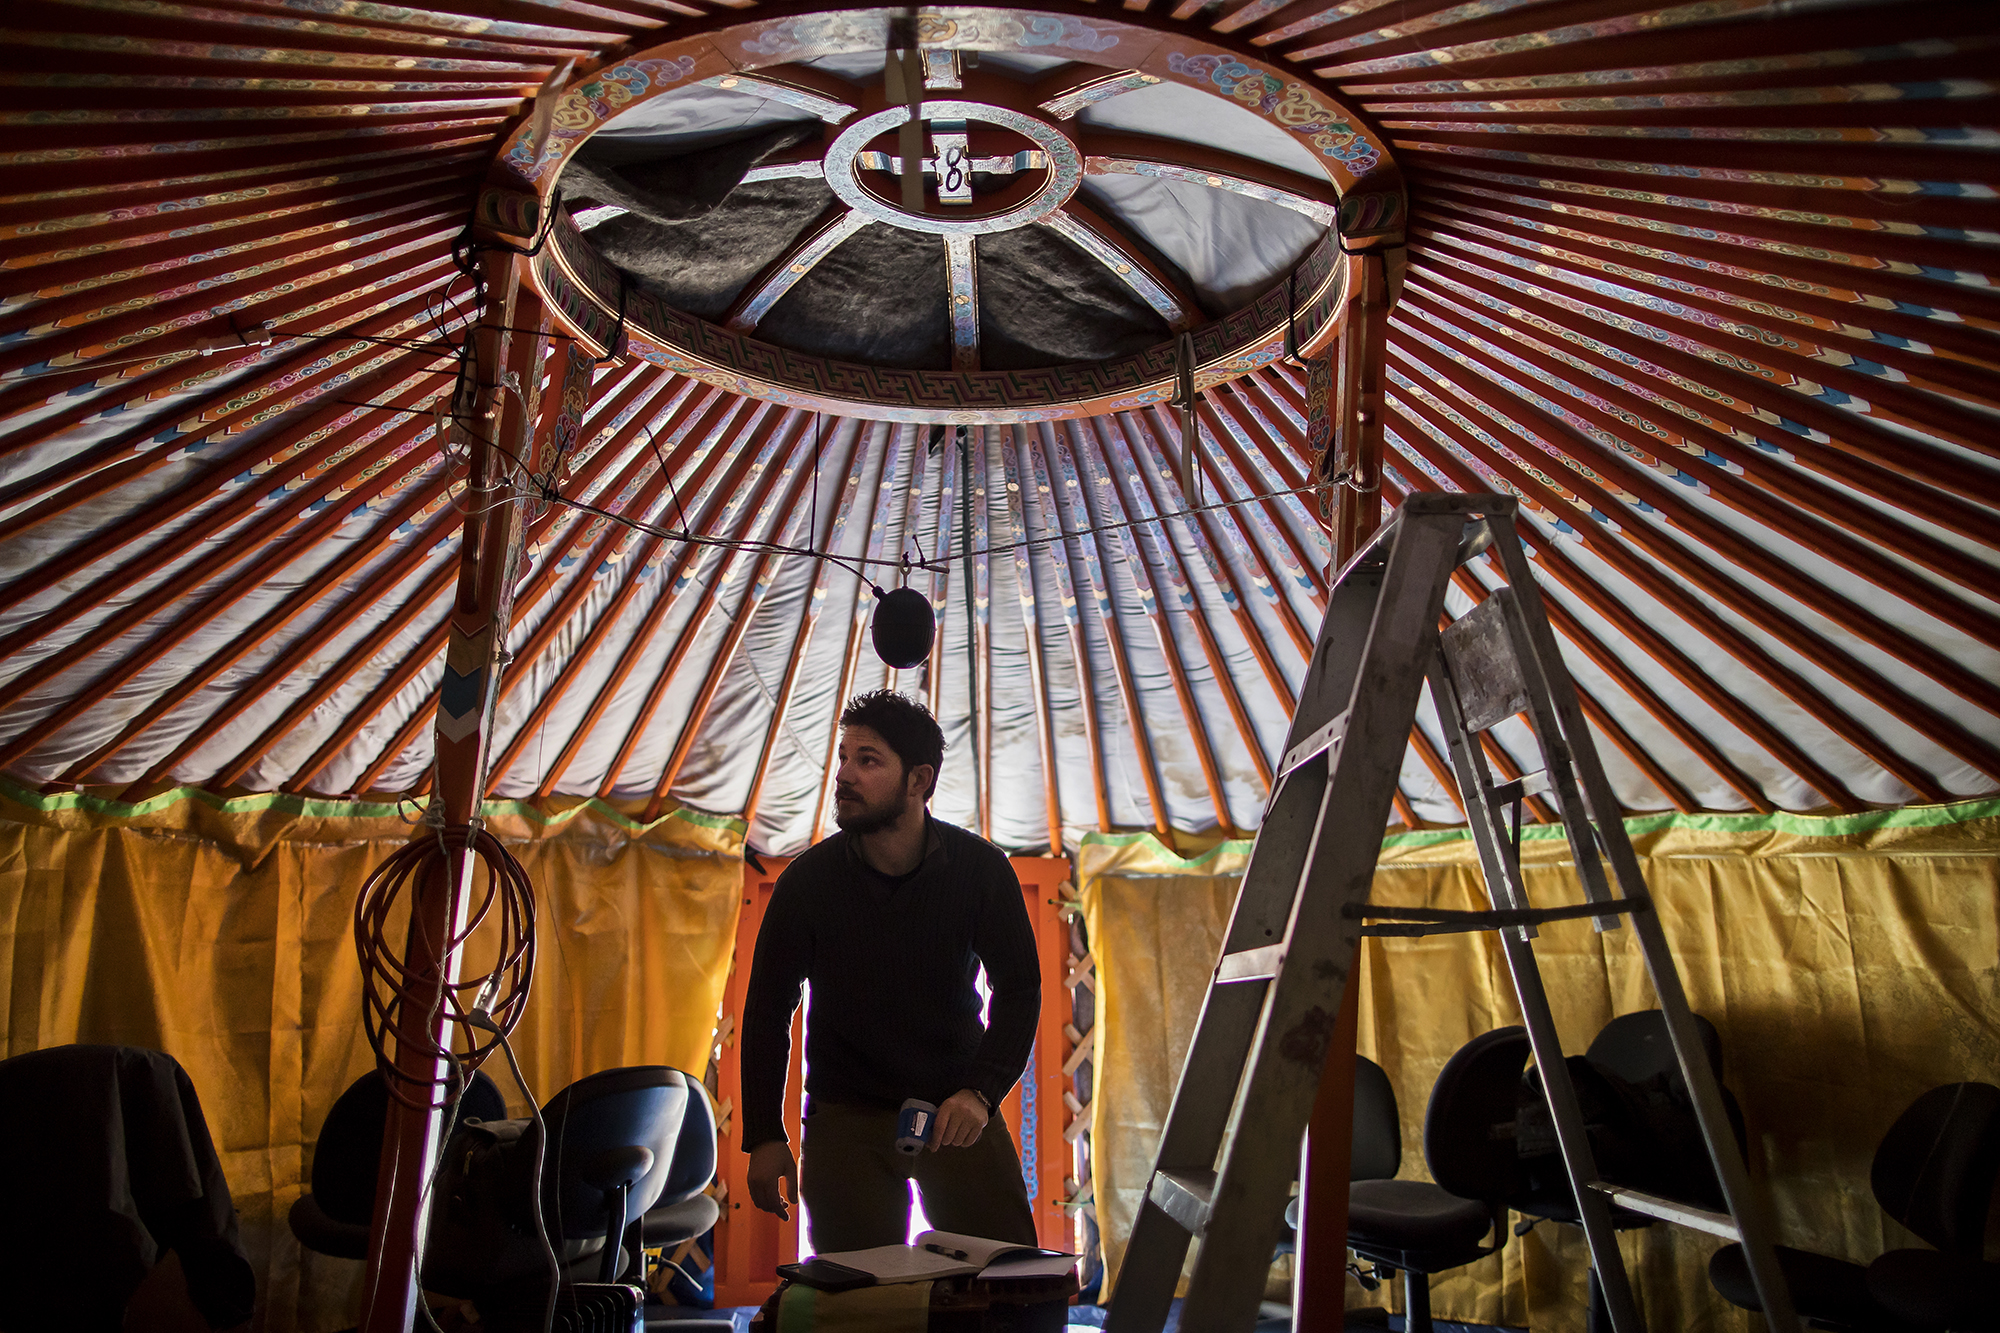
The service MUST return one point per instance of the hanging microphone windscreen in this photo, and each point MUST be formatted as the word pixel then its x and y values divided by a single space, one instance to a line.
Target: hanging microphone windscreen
pixel 904 627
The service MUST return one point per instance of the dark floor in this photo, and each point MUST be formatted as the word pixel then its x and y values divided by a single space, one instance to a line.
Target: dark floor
pixel 1092 1316
pixel 665 1317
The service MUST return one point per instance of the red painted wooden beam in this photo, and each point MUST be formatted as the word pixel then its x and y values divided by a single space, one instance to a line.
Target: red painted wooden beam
pixel 1038 449
pixel 1094 468
pixel 1421 431
pixel 1843 666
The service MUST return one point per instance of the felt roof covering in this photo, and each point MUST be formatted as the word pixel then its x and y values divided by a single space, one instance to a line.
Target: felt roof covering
pixel 1709 286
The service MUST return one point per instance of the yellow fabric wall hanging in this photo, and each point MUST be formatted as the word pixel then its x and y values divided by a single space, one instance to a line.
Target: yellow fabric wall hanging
pixel 1849 963
pixel 221 932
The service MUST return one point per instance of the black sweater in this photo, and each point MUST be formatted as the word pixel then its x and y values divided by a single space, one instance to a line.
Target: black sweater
pixel 895 1011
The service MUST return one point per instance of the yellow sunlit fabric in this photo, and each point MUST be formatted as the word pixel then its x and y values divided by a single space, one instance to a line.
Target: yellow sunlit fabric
pixel 221 932
pixel 1849 963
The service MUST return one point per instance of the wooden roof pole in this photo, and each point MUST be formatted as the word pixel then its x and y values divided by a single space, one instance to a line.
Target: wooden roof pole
pixel 308 372
pixel 886 495
pixel 1926 407
pixel 1149 601
pixel 1633 556
pixel 1563 622
pixel 86 342
pixel 337 428
pixel 1957 347
pixel 791 516
pixel 850 490
pixel 489 564
pixel 1418 439
pixel 1738 391
pixel 1241 532
pixel 381 585
pixel 408 667
pixel 1578 584
pixel 1268 432
pixel 1716 293
pixel 789 423
pixel 1354 456
pixel 1750 473
pixel 1575 442
pixel 272 250
pixel 1149 482
pixel 1072 619
pixel 1756 223
pixel 1136 500
pixel 1213 532
pixel 146 235
pixel 276 557
pixel 761 422
pixel 247 640
pixel 940 575
pixel 1310 578
pixel 1098 583
pixel 582 583
pixel 1940 729
pixel 1024 583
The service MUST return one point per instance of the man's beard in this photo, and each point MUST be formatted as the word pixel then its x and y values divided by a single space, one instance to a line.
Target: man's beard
pixel 871 818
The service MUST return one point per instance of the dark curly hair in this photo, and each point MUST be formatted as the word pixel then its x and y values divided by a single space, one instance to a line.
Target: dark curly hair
pixel 905 724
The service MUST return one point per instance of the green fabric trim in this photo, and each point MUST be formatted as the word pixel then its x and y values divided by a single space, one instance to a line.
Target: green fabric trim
pixel 321 807
pixel 1179 864
pixel 1809 826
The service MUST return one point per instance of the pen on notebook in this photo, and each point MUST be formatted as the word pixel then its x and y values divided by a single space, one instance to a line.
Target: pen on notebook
pixel 959 1255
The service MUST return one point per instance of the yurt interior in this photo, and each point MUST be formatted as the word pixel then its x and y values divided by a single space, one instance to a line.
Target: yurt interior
pixel 1294 664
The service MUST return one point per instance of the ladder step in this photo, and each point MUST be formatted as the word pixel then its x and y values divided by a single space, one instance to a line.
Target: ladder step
pixel 1184 1196
pixel 1260 964
pixel 1668 1210
pixel 1322 738
pixel 1528 784
pixel 1446 920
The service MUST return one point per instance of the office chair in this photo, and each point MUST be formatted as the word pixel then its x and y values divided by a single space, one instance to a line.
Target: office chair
pixel 1639 1118
pixel 1934 1172
pixel 618 1143
pixel 333 1216
pixel 1417 1227
pixel 684 1209
pixel 1375 1148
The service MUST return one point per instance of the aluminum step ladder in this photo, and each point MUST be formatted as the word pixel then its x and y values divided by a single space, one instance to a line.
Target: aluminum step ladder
pixel 1230 1149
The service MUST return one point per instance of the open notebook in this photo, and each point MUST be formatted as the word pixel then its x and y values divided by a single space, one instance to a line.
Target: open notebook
pixel 939 1254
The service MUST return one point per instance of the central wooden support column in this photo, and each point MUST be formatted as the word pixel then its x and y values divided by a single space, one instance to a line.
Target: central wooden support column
pixel 1355 452
pixel 1352 385
pixel 496 406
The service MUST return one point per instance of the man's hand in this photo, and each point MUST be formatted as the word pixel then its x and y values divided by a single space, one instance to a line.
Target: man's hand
pixel 960 1121
pixel 772 1164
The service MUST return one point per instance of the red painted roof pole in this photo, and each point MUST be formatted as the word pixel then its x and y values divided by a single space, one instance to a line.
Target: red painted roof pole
pixel 489 557
pixel 1355 449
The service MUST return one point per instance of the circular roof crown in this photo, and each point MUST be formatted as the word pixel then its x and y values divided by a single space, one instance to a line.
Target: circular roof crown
pixel 738 206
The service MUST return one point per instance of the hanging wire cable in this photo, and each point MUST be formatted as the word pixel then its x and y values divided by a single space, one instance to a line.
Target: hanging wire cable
pixel 389 984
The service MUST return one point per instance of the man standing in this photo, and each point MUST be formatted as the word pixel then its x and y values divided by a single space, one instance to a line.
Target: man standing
pixel 889 921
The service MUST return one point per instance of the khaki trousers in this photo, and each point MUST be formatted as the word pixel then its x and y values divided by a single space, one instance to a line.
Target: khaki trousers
pixel 857 1192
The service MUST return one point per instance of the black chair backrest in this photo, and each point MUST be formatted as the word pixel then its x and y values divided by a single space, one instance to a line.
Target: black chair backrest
pixel 1476 1092
pixel 349 1152
pixel 693 1164
pixel 1636 1047
pixel 637 1106
pixel 1935 1170
pixel 1378 1129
